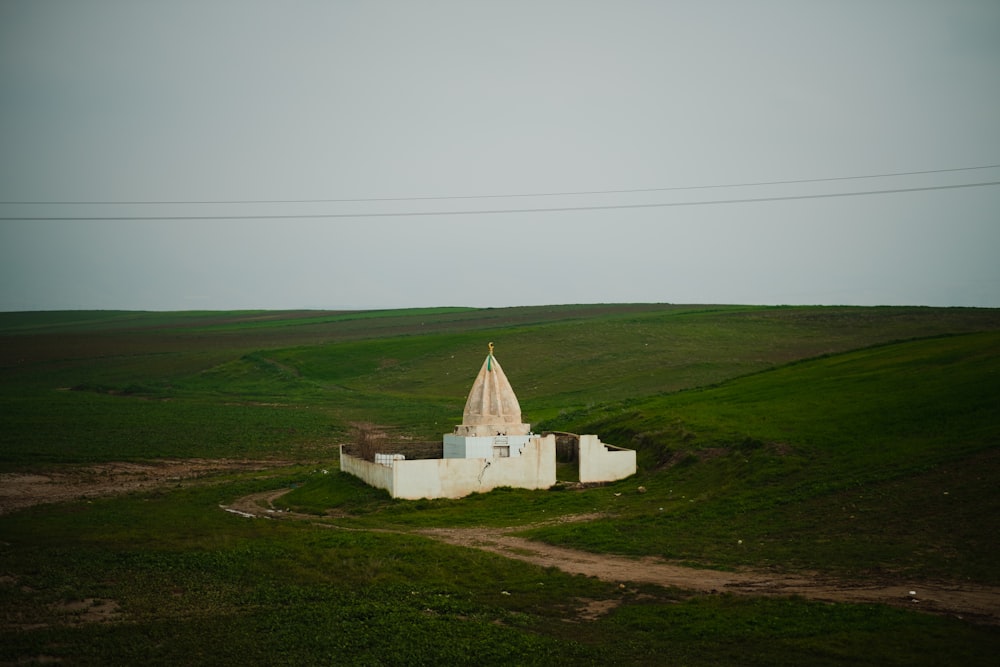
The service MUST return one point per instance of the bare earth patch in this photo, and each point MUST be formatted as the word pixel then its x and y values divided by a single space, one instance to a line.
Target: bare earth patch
pixel 21 490
pixel 90 610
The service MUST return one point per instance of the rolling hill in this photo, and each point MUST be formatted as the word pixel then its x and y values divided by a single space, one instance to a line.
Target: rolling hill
pixel 855 444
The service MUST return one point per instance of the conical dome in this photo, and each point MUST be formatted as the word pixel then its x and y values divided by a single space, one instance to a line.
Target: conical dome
pixel 492 407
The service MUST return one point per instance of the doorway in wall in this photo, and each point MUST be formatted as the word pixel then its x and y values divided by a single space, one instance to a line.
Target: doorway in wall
pixel 567 457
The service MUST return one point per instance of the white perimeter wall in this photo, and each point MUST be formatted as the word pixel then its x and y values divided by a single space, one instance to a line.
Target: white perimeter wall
pixel 604 463
pixel 535 468
pixel 372 474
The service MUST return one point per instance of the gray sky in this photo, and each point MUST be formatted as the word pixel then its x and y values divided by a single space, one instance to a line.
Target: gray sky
pixel 278 103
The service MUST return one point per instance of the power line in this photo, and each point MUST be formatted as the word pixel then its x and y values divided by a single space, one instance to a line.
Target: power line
pixel 505 196
pixel 554 209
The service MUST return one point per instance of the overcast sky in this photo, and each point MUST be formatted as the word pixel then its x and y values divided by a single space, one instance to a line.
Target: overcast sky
pixel 260 109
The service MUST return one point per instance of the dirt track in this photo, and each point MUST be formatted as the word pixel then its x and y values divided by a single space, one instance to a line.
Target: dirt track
pixel 980 604
pixel 972 602
pixel 976 603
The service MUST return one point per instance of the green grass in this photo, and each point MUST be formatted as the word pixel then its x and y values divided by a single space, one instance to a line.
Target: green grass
pixel 197 573
pixel 859 442
pixel 872 462
pixel 199 586
pixel 92 427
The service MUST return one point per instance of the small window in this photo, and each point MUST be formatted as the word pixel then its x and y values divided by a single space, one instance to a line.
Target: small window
pixel 501 451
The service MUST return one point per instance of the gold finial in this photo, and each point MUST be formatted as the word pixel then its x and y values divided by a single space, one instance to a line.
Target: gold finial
pixel 491 348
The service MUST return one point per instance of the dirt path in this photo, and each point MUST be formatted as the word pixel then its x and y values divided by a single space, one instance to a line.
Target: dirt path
pixel 261 505
pixel 972 602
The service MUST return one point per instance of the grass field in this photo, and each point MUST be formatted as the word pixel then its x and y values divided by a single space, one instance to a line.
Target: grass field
pixel 860 443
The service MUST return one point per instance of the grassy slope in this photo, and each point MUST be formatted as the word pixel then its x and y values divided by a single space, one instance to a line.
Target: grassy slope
pixel 879 461
pixel 806 464
pixel 151 386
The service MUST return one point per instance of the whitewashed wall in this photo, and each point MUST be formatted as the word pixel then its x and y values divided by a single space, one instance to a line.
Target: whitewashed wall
pixel 372 474
pixel 604 463
pixel 535 468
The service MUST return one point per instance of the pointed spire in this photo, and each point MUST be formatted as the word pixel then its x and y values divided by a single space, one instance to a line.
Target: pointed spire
pixel 492 406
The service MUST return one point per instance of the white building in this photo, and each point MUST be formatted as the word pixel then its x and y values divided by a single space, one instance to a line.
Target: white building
pixel 491 448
